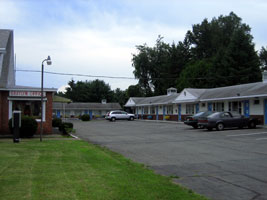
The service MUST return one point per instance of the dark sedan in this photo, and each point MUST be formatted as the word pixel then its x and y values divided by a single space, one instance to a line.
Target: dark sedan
pixel 221 120
pixel 193 120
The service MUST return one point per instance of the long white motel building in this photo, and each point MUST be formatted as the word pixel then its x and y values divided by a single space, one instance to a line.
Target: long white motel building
pixel 247 99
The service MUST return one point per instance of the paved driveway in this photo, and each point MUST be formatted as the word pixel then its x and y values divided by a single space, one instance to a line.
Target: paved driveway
pixel 230 164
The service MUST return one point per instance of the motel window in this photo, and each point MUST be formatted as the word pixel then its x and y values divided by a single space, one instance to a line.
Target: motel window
pixel 190 109
pixel 219 106
pixel 256 102
pixel 28 108
pixel 170 110
pixel 235 106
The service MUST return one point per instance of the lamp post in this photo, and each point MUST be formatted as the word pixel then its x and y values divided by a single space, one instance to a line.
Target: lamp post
pixel 48 62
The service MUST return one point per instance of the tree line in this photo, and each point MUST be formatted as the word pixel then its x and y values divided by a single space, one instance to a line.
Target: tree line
pixel 97 90
pixel 213 54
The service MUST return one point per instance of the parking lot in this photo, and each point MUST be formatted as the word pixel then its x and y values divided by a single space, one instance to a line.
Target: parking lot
pixel 229 164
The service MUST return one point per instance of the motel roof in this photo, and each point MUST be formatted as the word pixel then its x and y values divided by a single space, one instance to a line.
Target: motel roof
pixel 87 106
pixel 193 95
pixel 156 100
pixel 257 89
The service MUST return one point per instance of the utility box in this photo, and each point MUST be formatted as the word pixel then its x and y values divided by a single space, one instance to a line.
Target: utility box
pixel 16 124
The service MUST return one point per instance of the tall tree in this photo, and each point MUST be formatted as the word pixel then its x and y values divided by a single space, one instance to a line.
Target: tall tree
pixel 158 67
pixel 226 45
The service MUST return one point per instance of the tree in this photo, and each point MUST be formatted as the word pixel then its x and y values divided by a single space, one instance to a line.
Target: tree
pixel 142 65
pixel 226 45
pixel 263 58
pixel 89 91
pixel 192 75
pixel 134 91
pixel 120 96
pixel 158 67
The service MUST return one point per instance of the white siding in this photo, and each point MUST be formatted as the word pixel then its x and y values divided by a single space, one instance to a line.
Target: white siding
pixel 185 95
pixel 256 109
pixel 130 102
pixel 203 108
pixel 183 109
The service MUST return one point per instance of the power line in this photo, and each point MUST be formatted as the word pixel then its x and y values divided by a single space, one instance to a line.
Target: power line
pixel 120 77
pixel 83 75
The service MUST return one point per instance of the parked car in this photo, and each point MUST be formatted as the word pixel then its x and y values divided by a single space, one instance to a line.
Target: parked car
pixel 118 114
pixel 221 120
pixel 193 120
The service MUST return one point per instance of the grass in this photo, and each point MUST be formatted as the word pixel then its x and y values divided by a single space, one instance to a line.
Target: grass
pixel 73 169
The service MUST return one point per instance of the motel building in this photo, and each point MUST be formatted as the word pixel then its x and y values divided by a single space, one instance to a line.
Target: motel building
pixel 249 100
pixel 77 109
pixel 23 98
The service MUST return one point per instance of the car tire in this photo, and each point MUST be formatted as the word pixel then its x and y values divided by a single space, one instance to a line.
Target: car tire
pixel 195 126
pixel 252 124
pixel 113 119
pixel 131 118
pixel 219 126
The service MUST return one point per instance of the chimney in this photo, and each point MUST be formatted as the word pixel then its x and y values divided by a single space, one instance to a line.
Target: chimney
pixel 264 76
pixel 104 101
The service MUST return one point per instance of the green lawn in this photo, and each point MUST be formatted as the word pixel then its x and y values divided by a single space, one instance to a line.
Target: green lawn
pixel 73 169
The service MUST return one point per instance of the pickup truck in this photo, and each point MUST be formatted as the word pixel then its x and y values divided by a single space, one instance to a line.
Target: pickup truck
pixel 221 120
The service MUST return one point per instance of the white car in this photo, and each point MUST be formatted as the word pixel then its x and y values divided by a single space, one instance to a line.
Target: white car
pixel 118 114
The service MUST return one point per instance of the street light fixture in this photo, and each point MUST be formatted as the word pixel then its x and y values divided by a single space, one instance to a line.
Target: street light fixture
pixel 48 62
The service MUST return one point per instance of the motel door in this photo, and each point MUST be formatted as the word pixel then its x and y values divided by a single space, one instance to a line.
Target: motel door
pixel 246 108
pixel 91 114
pixel 58 113
pixel 179 112
pixel 209 106
pixel 197 108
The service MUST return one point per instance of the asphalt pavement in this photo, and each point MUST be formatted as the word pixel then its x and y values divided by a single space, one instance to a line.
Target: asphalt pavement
pixel 221 165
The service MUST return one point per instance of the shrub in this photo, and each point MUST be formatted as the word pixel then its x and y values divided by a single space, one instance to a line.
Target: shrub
pixel 56 122
pixel 167 117
pixel 66 127
pixel 28 126
pixel 149 117
pixel 85 117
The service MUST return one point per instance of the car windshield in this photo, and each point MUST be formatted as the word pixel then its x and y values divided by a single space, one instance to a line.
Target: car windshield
pixel 199 114
pixel 214 115
pixel 203 114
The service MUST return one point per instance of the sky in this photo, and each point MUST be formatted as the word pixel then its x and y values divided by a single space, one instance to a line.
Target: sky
pixel 99 37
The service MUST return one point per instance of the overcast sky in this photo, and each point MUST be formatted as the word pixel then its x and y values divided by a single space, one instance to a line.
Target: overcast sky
pixel 98 37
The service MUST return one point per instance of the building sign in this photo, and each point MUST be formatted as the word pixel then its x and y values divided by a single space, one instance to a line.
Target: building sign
pixel 25 93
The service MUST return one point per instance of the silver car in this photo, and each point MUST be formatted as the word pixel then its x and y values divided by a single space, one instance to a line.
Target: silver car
pixel 118 114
